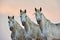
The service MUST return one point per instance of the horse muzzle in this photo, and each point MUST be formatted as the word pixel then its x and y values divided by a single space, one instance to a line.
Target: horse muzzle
pixel 11 28
pixel 38 21
pixel 23 23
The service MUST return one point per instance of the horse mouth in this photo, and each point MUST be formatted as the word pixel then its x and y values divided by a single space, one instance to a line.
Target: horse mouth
pixel 11 28
pixel 23 23
pixel 38 21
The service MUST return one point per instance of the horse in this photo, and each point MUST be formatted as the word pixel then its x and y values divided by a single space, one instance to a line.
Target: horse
pixel 49 30
pixel 16 29
pixel 32 29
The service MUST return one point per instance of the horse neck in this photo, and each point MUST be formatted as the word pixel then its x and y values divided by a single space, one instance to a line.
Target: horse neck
pixel 44 21
pixel 16 25
pixel 28 24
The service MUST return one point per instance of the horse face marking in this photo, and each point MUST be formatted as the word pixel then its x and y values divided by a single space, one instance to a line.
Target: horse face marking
pixel 23 17
pixel 38 15
pixel 11 22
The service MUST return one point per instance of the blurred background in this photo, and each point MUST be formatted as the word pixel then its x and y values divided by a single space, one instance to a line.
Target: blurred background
pixel 51 10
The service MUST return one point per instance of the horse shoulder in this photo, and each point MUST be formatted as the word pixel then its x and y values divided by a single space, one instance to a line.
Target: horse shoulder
pixel 19 28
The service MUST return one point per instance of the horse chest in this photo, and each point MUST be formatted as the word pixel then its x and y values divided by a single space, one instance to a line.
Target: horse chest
pixel 28 33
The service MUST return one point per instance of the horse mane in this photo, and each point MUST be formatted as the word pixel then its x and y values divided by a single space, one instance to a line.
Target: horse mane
pixel 44 22
pixel 50 21
pixel 29 24
pixel 30 21
pixel 17 26
pixel 16 22
pixel 45 18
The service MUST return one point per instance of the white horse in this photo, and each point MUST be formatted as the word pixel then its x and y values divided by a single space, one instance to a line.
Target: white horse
pixel 32 29
pixel 16 29
pixel 50 30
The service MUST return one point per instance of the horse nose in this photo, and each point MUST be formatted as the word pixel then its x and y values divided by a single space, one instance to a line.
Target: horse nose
pixel 23 23
pixel 11 28
pixel 38 21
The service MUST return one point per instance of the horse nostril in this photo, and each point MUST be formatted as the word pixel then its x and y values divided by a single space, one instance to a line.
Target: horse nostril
pixel 11 28
pixel 23 23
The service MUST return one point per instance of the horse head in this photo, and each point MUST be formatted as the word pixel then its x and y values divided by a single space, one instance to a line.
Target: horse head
pixel 11 22
pixel 23 17
pixel 38 15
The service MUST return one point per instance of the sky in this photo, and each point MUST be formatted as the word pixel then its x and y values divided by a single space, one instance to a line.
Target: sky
pixel 50 9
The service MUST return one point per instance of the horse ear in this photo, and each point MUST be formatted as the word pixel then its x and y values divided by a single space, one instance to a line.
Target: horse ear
pixel 40 9
pixel 20 10
pixel 8 17
pixel 25 11
pixel 12 17
pixel 35 9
